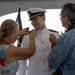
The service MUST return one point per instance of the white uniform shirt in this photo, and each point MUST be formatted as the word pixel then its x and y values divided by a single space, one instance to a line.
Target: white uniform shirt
pixel 38 63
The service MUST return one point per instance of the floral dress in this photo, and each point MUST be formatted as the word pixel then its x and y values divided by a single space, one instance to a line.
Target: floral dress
pixel 6 67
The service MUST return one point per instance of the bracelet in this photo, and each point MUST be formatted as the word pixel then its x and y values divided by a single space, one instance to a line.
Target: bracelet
pixel 32 40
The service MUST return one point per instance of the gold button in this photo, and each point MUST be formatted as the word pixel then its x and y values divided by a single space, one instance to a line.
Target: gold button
pixel 43 50
pixel 42 41
pixel 43 61
pixel 44 71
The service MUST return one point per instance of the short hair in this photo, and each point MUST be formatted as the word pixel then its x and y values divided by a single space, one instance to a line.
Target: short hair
pixel 69 11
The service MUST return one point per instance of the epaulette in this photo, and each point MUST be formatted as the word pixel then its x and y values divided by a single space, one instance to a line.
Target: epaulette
pixel 53 30
pixel 30 31
pixel 49 30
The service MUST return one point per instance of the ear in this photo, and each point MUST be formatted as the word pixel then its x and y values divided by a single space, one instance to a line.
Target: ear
pixel 67 21
pixel 66 18
pixel 11 34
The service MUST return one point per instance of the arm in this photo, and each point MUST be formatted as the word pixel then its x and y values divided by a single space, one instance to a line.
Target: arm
pixel 16 53
pixel 59 53
pixel 23 32
pixel 53 39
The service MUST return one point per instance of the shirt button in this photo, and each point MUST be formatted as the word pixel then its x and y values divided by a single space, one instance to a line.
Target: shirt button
pixel 42 41
pixel 44 71
pixel 43 50
pixel 43 61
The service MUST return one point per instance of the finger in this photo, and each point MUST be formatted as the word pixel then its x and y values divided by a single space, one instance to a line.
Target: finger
pixel 27 28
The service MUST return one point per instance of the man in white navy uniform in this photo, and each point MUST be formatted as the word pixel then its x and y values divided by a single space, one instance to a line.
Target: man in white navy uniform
pixel 38 63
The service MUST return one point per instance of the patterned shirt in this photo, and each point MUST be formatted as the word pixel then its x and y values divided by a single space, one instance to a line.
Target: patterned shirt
pixel 64 53
pixel 6 67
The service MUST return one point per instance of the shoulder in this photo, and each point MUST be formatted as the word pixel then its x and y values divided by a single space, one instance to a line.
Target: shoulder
pixel 53 30
pixel 3 49
pixel 56 33
pixel 4 46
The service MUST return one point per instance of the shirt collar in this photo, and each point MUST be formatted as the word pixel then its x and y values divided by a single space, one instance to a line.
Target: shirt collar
pixel 43 31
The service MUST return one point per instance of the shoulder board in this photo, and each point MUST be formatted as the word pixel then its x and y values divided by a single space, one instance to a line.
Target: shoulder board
pixel 30 31
pixel 49 30
pixel 53 30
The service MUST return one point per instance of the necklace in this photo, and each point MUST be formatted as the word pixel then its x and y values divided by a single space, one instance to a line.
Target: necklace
pixel 7 42
pixel 3 41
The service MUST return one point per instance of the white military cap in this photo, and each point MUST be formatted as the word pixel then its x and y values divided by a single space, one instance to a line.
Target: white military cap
pixel 34 12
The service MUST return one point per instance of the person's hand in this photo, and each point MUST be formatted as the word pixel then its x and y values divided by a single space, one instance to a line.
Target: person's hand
pixel 24 31
pixel 52 38
pixel 32 34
